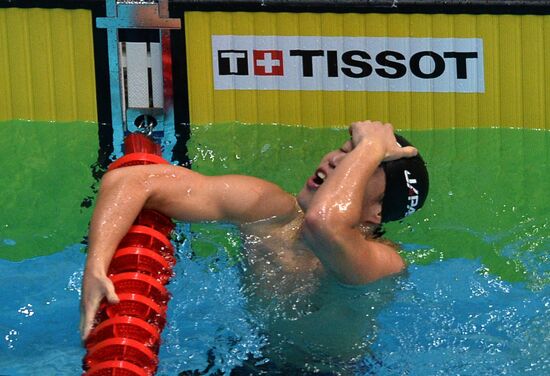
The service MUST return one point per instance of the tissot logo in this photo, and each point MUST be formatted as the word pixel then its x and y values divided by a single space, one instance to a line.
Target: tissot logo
pixel 348 63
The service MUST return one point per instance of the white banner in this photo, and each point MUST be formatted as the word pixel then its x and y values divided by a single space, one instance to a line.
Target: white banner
pixel 348 63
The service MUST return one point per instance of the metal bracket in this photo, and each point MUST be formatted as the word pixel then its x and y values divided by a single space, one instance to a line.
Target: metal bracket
pixel 138 15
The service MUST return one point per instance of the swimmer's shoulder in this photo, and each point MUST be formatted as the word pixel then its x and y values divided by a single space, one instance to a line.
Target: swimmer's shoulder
pixel 288 219
pixel 390 254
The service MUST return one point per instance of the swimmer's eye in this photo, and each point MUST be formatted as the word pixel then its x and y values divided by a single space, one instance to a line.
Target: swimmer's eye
pixel 346 147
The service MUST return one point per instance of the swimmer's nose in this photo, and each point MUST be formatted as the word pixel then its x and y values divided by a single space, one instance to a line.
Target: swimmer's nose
pixel 335 159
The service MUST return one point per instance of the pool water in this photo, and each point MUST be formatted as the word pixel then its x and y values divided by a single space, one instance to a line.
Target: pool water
pixel 47 183
pixel 475 299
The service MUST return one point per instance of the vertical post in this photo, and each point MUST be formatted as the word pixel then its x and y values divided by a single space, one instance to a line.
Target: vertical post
pixel 116 88
pixel 139 67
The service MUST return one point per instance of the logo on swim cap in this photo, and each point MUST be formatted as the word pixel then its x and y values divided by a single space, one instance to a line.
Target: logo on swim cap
pixel 413 197
pixel 407 184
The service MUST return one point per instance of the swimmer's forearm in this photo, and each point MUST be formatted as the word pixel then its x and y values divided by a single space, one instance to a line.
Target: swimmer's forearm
pixel 331 225
pixel 339 200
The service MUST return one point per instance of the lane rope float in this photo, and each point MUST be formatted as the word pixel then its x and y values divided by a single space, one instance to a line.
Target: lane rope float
pixel 126 337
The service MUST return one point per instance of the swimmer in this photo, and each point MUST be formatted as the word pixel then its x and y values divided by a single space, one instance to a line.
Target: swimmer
pixel 331 229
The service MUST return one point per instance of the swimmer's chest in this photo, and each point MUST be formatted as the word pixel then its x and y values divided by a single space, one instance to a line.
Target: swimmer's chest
pixel 282 246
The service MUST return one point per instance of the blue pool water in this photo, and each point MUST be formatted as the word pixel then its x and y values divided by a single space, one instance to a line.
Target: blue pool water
pixel 447 318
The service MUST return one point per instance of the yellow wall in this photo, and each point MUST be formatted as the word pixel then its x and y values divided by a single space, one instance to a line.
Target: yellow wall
pixel 516 57
pixel 47 65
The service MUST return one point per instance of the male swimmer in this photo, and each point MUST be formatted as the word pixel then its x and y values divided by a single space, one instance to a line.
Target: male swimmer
pixel 329 232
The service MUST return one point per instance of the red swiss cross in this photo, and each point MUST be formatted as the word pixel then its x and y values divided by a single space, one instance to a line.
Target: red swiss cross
pixel 268 62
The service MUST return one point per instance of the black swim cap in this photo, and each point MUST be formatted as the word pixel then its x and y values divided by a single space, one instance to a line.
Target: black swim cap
pixel 407 185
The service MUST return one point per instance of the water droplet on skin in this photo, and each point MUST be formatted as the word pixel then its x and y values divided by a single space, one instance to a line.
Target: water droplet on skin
pixel 344 206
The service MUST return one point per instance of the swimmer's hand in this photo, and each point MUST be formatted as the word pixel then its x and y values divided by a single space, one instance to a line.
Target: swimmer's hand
pixel 380 135
pixel 94 289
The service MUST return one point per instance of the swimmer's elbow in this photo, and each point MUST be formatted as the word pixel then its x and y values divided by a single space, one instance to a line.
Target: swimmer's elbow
pixel 319 226
pixel 113 180
pixel 124 182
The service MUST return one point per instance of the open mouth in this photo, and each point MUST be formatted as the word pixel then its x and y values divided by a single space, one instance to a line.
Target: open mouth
pixel 319 177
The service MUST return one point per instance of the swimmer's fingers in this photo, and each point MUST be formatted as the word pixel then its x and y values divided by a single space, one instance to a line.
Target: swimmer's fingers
pixel 86 321
pixel 88 307
pixel 93 291
pixel 398 152
pixel 382 134
pixel 374 131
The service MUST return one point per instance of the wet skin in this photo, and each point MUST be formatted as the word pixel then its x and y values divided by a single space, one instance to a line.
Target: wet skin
pixel 325 225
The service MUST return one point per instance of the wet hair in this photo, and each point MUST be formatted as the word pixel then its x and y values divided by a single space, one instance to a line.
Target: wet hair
pixel 407 185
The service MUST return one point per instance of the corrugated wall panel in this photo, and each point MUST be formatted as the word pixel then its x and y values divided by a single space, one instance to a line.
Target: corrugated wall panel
pixel 47 65
pixel 516 72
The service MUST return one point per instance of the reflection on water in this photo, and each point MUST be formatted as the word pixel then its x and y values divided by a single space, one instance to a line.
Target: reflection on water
pixel 310 321
pixel 475 300
pixel 39 315
pixel 449 317
pixel 261 313
pixel 453 317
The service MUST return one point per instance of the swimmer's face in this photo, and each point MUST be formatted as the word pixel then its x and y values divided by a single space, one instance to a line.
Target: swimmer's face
pixel 374 191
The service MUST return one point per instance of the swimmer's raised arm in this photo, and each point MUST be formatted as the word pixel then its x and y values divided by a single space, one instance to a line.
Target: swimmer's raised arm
pixel 351 198
pixel 176 192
